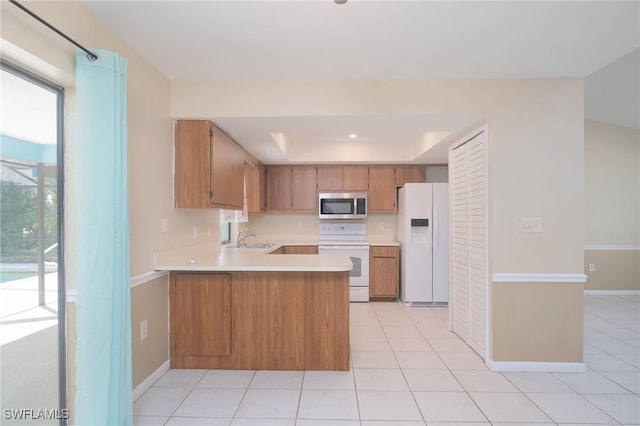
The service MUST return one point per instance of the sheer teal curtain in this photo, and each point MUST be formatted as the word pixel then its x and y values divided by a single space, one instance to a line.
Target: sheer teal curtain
pixel 103 355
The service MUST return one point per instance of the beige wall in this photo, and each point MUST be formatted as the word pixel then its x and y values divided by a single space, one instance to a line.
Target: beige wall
pixel 613 270
pixel 536 130
pixel 536 168
pixel 28 43
pixel 537 322
pixel 151 301
pixel 612 180
pixel 283 227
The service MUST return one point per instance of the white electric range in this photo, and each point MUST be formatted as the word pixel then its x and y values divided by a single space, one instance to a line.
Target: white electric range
pixel 349 238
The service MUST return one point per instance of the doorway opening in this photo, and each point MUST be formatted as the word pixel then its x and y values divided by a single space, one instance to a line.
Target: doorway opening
pixel 32 291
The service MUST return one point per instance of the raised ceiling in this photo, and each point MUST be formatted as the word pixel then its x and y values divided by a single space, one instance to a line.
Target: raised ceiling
pixel 369 40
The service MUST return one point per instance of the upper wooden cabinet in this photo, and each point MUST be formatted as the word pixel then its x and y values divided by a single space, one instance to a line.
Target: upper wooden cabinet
pixel 356 178
pixel 304 188
pixel 343 178
pixel 292 188
pixel 209 167
pixel 253 187
pixel 410 174
pixel 330 178
pixel 263 188
pixel 382 189
pixel 279 188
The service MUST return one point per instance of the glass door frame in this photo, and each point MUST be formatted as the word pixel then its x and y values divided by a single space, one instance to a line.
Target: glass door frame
pixel 62 317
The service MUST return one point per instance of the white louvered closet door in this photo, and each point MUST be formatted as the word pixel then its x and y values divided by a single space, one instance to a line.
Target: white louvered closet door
pixel 459 164
pixel 468 162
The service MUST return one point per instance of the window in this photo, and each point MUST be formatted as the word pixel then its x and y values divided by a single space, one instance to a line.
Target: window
pixel 225 232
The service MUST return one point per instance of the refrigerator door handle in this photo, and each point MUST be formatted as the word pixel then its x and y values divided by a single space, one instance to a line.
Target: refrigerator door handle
pixel 435 229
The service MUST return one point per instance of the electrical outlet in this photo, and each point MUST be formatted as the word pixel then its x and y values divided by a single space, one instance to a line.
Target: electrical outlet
pixel 195 232
pixel 144 330
pixel 165 225
pixel 592 267
pixel 381 225
pixel 530 224
pixel 299 226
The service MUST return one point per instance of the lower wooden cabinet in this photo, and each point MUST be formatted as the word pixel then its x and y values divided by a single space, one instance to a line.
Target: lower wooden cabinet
pixel 260 320
pixel 383 272
pixel 201 314
pixel 300 249
pixel 296 250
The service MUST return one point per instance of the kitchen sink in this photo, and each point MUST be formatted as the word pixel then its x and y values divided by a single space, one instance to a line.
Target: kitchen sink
pixel 257 245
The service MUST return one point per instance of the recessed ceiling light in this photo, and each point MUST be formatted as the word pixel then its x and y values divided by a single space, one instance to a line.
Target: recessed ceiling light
pixel 353 136
pixel 340 1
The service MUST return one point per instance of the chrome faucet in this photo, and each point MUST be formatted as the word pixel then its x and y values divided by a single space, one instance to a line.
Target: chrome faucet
pixel 242 235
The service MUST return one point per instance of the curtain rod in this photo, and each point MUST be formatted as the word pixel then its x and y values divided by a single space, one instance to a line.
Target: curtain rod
pixel 92 56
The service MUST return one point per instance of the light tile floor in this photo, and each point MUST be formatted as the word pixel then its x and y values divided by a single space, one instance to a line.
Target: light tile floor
pixel 408 369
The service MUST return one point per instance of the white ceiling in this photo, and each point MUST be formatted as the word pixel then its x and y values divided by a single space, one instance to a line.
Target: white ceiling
pixel 373 40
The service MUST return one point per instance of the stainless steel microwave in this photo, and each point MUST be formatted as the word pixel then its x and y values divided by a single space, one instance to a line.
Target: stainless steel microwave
pixel 342 205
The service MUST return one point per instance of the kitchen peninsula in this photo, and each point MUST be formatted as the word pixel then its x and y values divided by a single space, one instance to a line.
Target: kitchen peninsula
pixel 249 309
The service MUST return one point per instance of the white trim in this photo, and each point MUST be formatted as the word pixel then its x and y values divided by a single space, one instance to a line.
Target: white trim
pixel 612 247
pixel 537 367
pixel 612 292
pixel 70 296
pixel 149 381
pixel 136 280
pixel 145 277
pixel 538 278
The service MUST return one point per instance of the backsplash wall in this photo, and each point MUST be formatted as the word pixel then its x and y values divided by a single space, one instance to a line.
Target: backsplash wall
pixel 304 227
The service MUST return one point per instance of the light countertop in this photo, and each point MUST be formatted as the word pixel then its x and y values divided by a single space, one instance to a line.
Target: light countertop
pixel 206 257
pixel 384 243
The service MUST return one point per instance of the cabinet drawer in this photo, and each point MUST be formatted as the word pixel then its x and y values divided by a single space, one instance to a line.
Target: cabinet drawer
pixel 383 251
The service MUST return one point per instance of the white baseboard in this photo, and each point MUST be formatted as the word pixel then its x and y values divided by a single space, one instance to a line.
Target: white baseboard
pixel 500 277
pixel 146 383
pixel 612 247
pixel 537 367
pixel 612 292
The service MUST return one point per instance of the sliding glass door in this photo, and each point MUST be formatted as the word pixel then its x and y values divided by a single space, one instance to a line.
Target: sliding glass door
pixel 32 302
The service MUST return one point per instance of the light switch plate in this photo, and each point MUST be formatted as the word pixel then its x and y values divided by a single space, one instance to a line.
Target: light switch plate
pixel 530 224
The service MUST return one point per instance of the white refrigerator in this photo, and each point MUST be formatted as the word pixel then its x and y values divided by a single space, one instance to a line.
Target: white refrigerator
pixel 423 234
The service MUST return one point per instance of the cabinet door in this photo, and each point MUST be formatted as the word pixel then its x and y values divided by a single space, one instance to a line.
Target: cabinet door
pixel 382 189
pixel 383 273
pixel 227 170
pixel 300 249
pixel 263 188
pixel 410 174
pixel 201 314
pixel 252 183
pixel 192 167
pixel 304 193
pixel 356 178
pixel 279 188
pixel 330 178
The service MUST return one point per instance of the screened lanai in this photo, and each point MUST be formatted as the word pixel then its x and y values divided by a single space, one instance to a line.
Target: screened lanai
pixel 30 247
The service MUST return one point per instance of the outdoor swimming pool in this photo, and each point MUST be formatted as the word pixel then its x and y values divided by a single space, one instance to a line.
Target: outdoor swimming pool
pixel 12 276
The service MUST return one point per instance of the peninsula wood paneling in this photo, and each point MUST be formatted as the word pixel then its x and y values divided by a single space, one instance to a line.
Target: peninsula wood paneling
pixel 201 314
pixel 284 321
